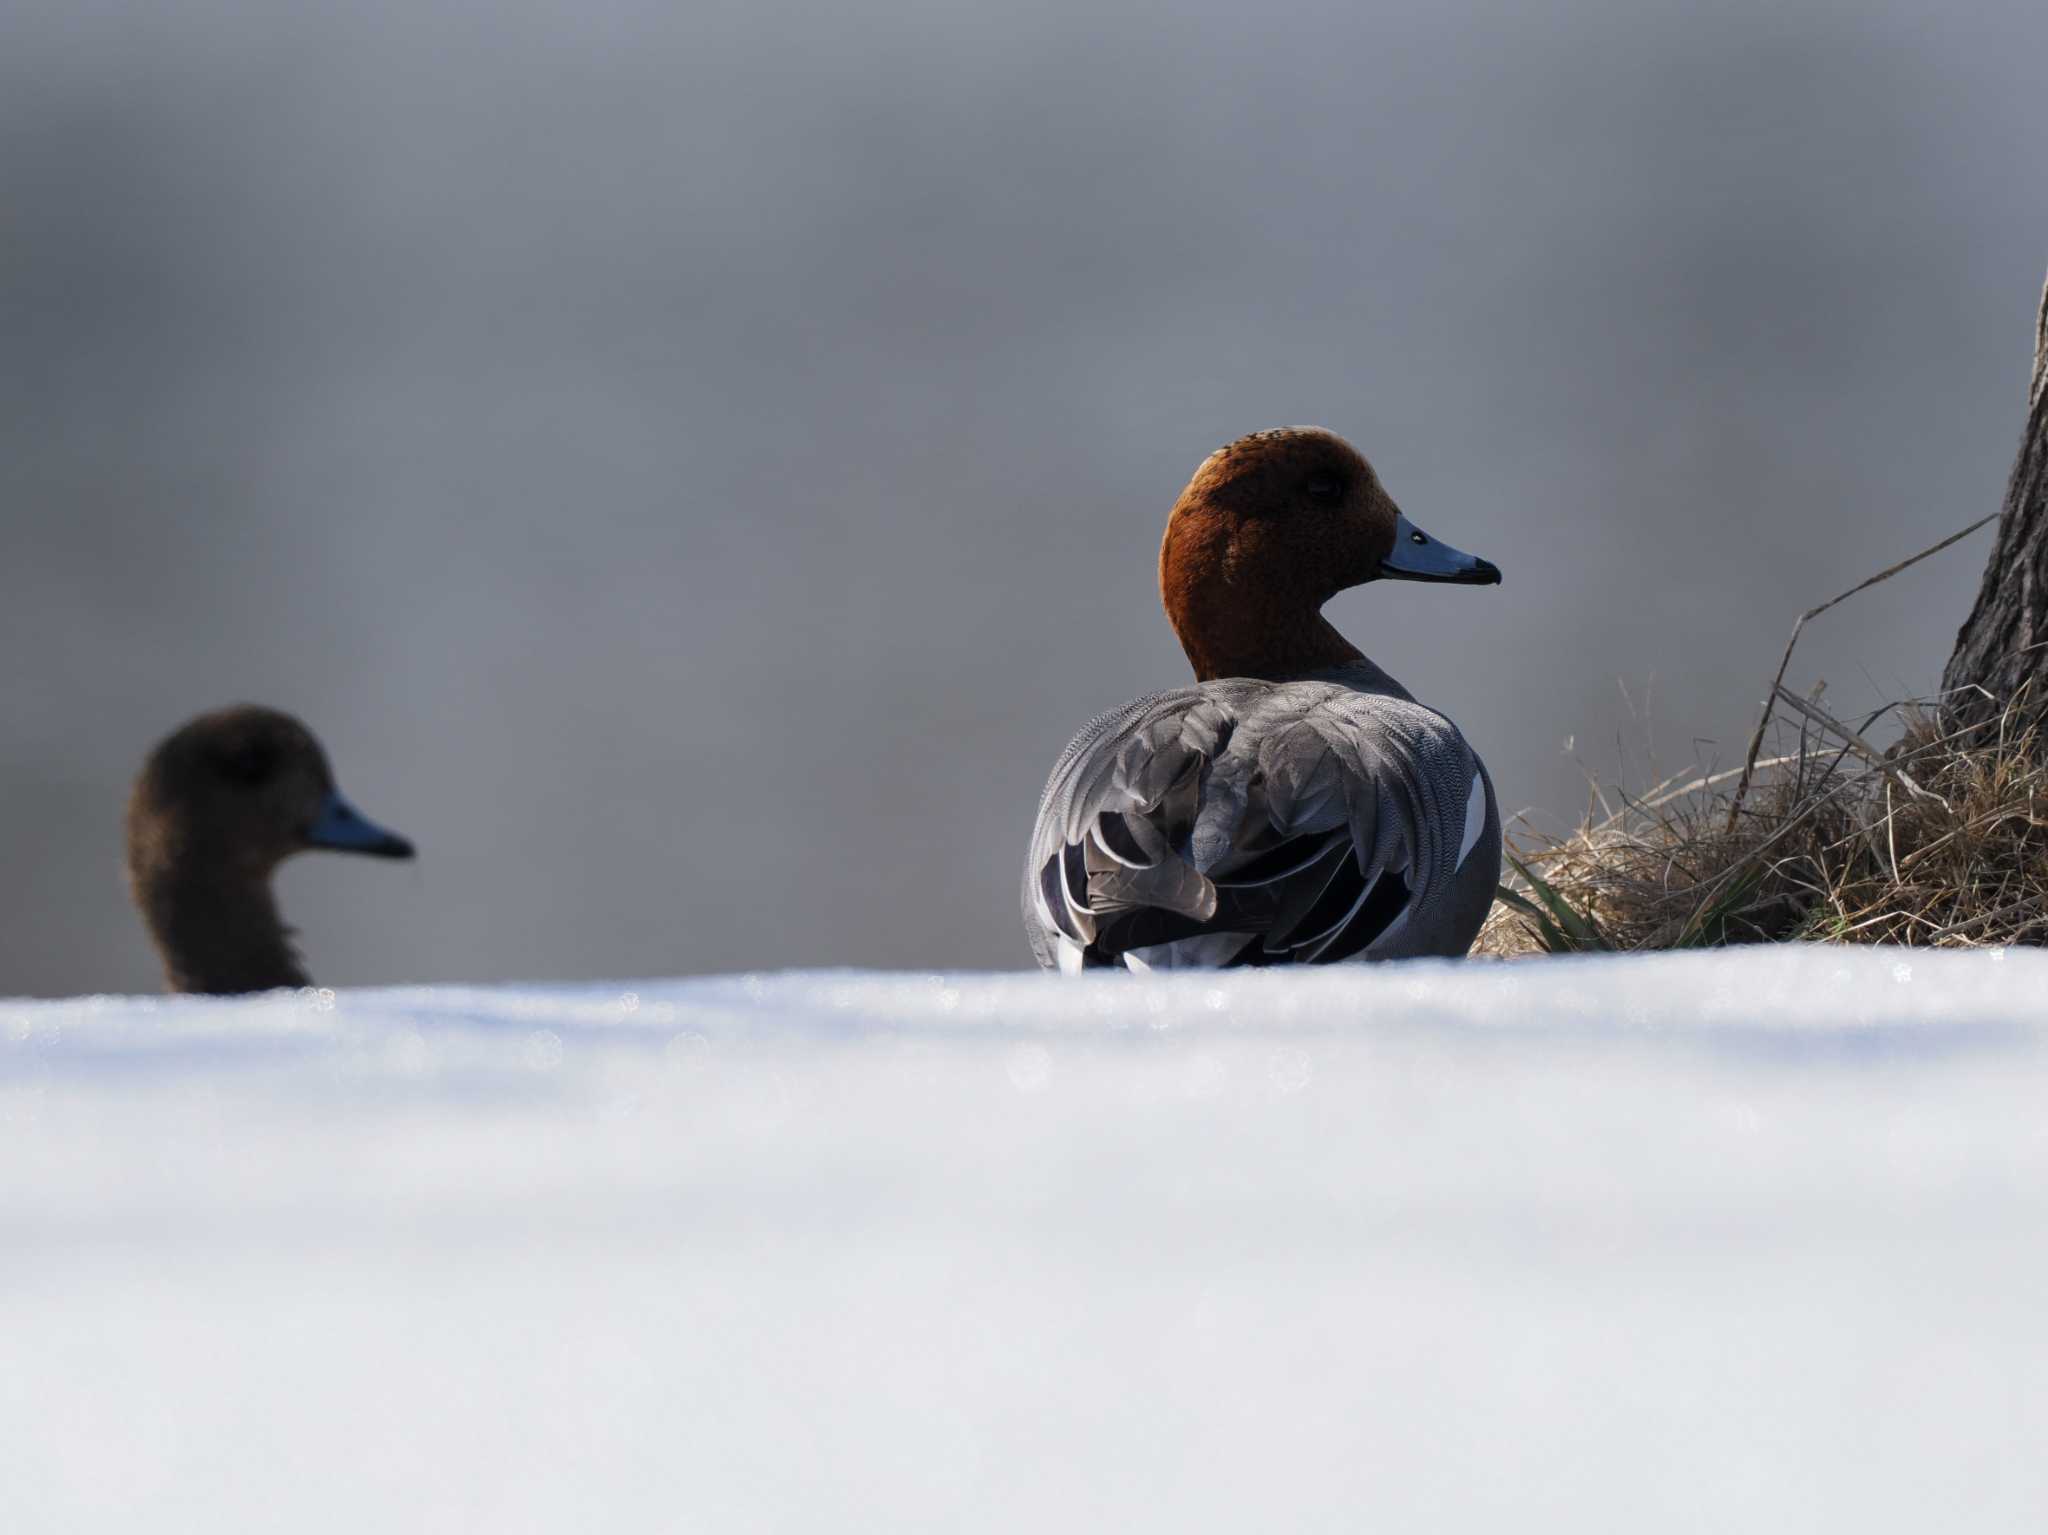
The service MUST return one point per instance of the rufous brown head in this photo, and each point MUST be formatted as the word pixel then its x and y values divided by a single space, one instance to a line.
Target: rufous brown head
pixel 1270 528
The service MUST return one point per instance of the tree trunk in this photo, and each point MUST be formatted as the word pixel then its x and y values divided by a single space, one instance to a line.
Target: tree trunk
pixel 2003 644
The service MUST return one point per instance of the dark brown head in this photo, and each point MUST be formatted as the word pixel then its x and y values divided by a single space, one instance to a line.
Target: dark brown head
pixel 1271 528
pixel 220 803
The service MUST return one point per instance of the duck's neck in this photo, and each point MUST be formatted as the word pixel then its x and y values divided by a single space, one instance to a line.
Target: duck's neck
pixel 1239 614
pixel 1247 628
pixel 217 933
pixel 1278 646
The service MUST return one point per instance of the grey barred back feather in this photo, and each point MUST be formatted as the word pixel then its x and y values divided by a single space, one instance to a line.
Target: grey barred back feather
pixel 1247 822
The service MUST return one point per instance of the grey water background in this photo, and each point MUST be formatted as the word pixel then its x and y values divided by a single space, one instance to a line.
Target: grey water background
pixel 695 465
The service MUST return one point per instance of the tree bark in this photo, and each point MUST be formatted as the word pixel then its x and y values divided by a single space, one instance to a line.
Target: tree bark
pixel 2002 647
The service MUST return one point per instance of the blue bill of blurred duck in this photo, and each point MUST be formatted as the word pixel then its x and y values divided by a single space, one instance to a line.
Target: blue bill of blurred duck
pixel 343 828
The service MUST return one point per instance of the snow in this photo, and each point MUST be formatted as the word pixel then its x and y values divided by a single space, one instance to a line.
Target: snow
pixel 1748 1240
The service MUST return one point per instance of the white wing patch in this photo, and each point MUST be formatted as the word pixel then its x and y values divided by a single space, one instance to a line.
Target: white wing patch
pixel 1475 819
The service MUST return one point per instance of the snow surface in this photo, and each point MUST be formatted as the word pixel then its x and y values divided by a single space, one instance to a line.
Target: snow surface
pixel 1739 1241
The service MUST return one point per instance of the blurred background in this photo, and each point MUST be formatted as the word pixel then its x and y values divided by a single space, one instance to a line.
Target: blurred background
pixel 695 466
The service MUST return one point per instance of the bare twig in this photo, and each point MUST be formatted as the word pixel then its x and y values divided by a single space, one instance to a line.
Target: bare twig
pixel 1756 741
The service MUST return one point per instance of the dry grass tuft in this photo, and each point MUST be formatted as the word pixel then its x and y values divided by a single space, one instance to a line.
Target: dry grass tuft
pixel 1941 840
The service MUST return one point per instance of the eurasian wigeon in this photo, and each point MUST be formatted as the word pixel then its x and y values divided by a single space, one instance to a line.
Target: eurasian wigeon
pixel 1296 805
pixel 221 802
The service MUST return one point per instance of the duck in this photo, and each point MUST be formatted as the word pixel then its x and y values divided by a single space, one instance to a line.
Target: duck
pixel 1296 804
pixel 219 804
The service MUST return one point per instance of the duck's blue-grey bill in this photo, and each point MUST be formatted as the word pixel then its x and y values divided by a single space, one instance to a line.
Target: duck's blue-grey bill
pixel 1418 557
pixel 347 830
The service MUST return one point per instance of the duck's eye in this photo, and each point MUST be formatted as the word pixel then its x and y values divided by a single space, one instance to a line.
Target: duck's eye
pixel 1323 489
pixel 250 765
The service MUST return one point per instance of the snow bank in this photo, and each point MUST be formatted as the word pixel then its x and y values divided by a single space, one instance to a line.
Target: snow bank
pixel 1749 1240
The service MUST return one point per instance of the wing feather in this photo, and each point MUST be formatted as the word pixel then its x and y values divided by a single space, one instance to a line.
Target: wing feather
pixel 1247 822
